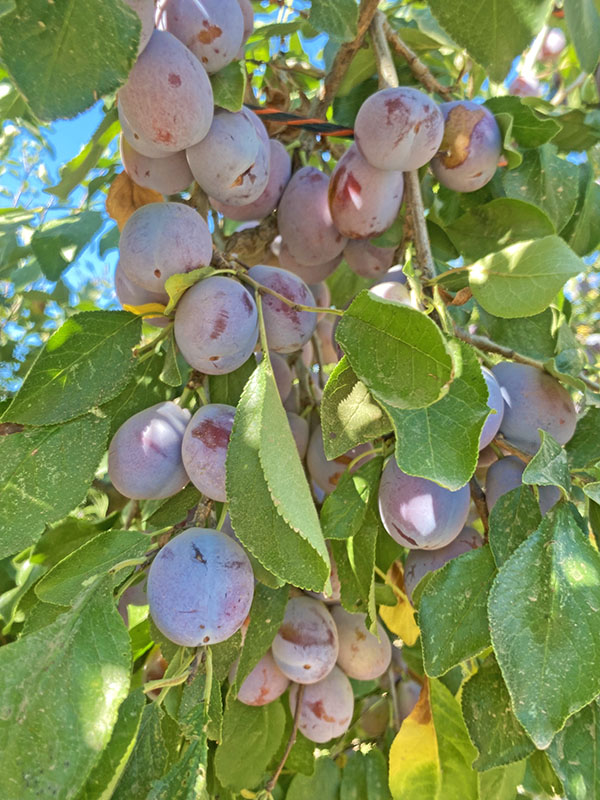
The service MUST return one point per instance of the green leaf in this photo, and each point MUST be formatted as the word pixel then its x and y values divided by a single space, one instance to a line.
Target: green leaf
pixel 228 388
pixel 59 71
pixel 344 510
pixel 349 414
pixel 528 129
pixel 324 783
pixel 69 375
pixel 251 735
pixel 270 504
pixel 55 700
pixel 501 783
pixel 546 181
pixel 514 517
pixel 456 753
pixel 398 352
pixel 583 21
pixel 582 232
pixel 104 776
pixel 176 508
pixel 592 490
pixel 452 611
pixel 143 390
pixel 355 562
pixel 579 130
pixel 57 243
pixel 575 756
pixel 192 713
pixel 186 780
pixel 337 18
pixel 44 474
pixel 154 752
pixel 549 465
pixel 584 448
pixel 548 782
pixel 483 29
pixel 365 777
pixel 64 581
pixel 490 720
pixel 448 431
pixel 345 284
pixel 509 151
pixel 171 374
pixel 497 224
pixel 529 336
pixel 539 610
pixel 266 617
pixel 229 86
pixel 523 279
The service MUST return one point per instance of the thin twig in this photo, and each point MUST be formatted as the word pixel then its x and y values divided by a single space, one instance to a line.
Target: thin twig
pixel 507 447
pixel 483 343
pixel 416 66
pixel 414 202
pixel 478 498
pixel 394 698
pixel 134 510
pixel 271 784
pixel 386 70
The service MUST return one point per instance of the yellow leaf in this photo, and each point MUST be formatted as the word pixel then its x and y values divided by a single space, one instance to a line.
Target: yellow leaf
pixel 415 772
pixel 147 310
pixel 400 619
pixel 177 284
pixel 124 197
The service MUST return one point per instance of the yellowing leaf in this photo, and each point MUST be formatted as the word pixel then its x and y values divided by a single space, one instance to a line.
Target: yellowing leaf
pixel 177 284
pixel 124 197
pixel 400 619
pixel 147 310
pixel 415 771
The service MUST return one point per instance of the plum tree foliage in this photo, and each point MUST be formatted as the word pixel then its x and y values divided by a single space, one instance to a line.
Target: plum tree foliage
pixel 299 400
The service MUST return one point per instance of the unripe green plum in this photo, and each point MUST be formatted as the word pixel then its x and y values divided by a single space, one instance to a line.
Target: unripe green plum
pixel 361 655
pixel 305 647
pixel 326 708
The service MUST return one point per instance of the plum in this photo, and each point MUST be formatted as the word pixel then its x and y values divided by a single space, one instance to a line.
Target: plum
pixel 533 399
pixel 506 474
pixel 248 16
pixel 299 428
pixel 130 294
pixel 419 562
pixel 264 684
pixel 398 129
pixel 305 647
pixel 145 11
pixel 204 448
pixel 392 290
pixel 418 513
pixel 326 708
pixel 167 175
pixel 326 473
pixel 496 403
pixel 470 149
pixel 310 273
pixel 554 43
pixel 361 655
pixel 367 259
pixel 523 86
pixel 144 457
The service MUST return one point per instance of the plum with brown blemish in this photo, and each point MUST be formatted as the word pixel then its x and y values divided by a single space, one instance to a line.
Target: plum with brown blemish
pixel 418 513
pixel 325 473
pixel 367 259
pixel 200 588
pixel 363 200
pixel 167 101
pixel 167 175
pixel 398 129
pixel 305 647
pixel 362 655
pixel 231 163
pixel 304 219
pixel 204 448
pixel 288 329
pixel 216 325
pixel 280 170
pixel 470 148
pixel 420 562
pixel 326 708
pixel 533 399
pixel 211 29
pixel 162 239
pixel 264 684
pixel 144 457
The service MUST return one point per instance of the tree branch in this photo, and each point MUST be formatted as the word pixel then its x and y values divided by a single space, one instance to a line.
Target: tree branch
pixel 271 784
pixel 416 66
pixel 386 70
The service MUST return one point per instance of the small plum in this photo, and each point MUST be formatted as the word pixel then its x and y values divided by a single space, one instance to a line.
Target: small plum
pixel 299 428
pixel 392 290
pixel 204 448
pixel 167 175
pixel 362 655
pixel 553 45
pixel 523 86
pixel 145 11
pixel 419 562
pixel 326 708
pixel 492 424
pixel 324 473
pixel 507 474
pixel 200 588
pixel 305 647
pixel 130 294
pixel 310 273
pixel 264 684
pixel 367 259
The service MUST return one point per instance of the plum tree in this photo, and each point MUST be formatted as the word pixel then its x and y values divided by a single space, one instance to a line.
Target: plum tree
pixel 364 200
pixel 326 473
pixel 204 448
pixel 492 424
pixel 166 175
pixel 533 399
pixel 211 29
pixel 305 647
pixel 144 457
pixel 470 149
pixel 160 240
pixel 304 219
pixel 506 474
pixel 418 513
pixel 200 587
pixel 216 325
pixel 362 655
pixel 419 562
pixel 326 708
pixel 279 173
pixel 264 684
pixel 367 259
pixel 167 101
pixel 398 129
pixel 231 163
pixel 287 328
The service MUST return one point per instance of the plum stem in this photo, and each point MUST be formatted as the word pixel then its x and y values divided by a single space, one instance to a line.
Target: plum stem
pixel 222 516
pixel 271 784
pixel 416 66
pixel 261 289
